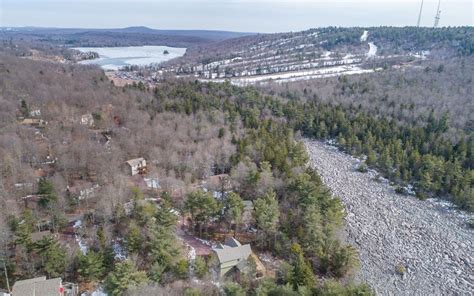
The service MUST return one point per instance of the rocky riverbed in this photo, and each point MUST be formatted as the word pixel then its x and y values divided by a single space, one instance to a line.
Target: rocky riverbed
pixel 428 238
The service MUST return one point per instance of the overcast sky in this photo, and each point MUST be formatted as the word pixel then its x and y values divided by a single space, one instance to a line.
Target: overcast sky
pixel 233 15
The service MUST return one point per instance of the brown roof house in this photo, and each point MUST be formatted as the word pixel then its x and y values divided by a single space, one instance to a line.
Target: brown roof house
pixel 35 122
pixel 137 166
pixel 40 286
pixel 233 256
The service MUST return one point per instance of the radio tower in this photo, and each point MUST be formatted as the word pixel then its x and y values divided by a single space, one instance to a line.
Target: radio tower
pixel 419 16
pixel 438 13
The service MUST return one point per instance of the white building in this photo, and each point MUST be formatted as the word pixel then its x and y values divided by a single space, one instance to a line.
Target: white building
pixel 137 165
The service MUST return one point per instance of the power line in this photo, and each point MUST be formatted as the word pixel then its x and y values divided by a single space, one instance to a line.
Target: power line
pixel 438 15
pixel 419 16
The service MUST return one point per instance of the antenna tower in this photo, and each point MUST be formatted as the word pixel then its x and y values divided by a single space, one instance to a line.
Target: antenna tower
pixel 438 15
pixel 419 16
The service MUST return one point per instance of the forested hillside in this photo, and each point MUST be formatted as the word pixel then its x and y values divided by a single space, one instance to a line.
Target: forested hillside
pixel 70 208
pixel 416 126
pixel 440 42
pixel 131 36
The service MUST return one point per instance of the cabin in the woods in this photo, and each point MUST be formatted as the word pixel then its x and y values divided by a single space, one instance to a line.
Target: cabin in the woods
pixel 40 286
pixel 238 258
pixel 137 166
pixel 35 122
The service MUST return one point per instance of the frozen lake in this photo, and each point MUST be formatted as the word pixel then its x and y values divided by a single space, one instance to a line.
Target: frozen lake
pixel 113 58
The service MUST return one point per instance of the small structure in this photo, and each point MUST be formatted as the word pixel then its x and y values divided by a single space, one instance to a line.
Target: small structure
pixel 35 122
pixel 233 255
pixel 82 191
pixel 87 120
pixel 137 166
pixel 40 286
pixel 35 113
pixel 152 183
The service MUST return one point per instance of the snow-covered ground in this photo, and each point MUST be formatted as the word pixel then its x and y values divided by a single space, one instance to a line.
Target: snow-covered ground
pixel 113 58
pixel 364 36
pixel 82 246
pixel 119 251
pixel 298 75
pixel 372 50
pixel 96 292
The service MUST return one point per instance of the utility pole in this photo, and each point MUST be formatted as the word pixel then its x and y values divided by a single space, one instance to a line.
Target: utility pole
pixel 419 15
pixel 438 15
pixel 6 275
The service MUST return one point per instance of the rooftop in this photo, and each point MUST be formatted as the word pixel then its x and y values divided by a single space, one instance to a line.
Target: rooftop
pixel 39 286
pixel 231 250
pixel 135 161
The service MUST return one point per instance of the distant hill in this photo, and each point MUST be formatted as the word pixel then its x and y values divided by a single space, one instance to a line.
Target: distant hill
pixel 117 36
pixel 139 35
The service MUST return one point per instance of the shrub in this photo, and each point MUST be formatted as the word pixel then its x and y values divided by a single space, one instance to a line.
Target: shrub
pixel 400 269
pixel 200 267
pixel 362 167
pixel 401 190
pixel 181 269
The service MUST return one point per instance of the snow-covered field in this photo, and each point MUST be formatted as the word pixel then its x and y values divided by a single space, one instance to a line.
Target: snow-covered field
pixel 298 75
pixel 113 58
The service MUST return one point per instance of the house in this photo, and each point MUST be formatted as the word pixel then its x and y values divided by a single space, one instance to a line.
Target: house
pixel 137 166
pixel 87 120
pixel 82 190
pixel 232 255
pixel 35 122
pixel 40 286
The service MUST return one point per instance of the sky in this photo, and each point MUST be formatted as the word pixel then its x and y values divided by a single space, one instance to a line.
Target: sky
pixel 231 15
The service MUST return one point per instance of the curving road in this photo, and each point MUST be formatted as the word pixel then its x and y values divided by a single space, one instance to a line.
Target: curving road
pixel 427 237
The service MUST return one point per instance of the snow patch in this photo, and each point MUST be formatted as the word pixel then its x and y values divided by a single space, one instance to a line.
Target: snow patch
pixel 82 246
pixel 119 252
pixel 372 50
pixel 364 36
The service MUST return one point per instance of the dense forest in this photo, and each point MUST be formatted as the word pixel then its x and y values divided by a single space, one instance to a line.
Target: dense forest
pixel 420 152
pixel 124 236
pixel 415 126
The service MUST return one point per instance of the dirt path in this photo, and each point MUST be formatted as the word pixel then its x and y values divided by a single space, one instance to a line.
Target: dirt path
pixel 198 247
pixel 427 237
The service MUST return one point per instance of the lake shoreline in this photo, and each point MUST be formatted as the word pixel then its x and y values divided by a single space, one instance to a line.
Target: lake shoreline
pixel 115 58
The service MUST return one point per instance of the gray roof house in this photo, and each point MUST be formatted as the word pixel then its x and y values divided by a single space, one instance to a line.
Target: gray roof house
pixel 40 286
pixel 233 254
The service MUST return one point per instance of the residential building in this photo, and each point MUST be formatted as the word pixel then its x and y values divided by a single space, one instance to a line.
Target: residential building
pixel 40 286
pixel 137 166
pixel 233 256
